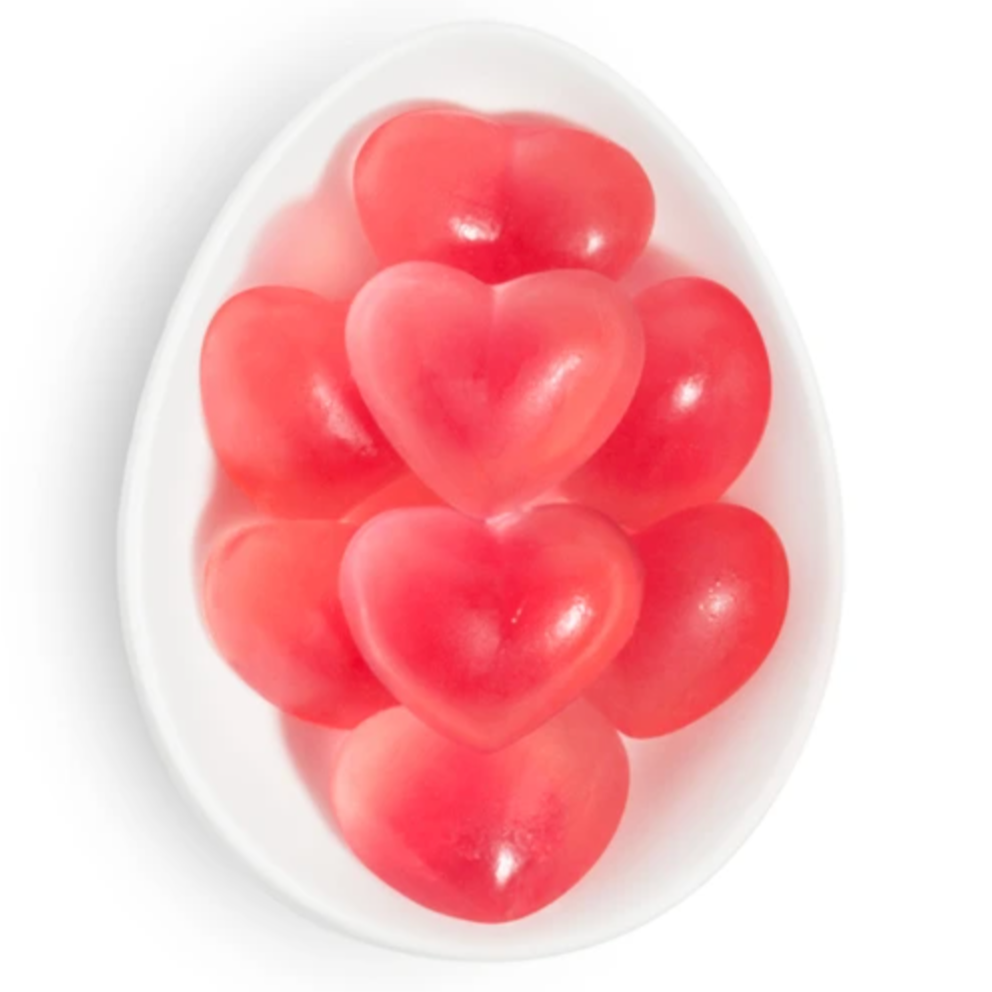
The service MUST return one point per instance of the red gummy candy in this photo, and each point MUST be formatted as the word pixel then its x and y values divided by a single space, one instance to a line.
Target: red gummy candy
pixel 699 411
pixel 498 199
pixel 270 596
pixel 716 587
pixel 493 395
pixel 284 416
pixel 485 630
pixel 484 837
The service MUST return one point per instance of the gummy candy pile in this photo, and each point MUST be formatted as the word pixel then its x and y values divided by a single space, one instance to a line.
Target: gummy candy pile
pixel 492 541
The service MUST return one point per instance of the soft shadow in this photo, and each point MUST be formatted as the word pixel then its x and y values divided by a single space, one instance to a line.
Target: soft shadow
pixel 89 436
pixel 227 509
pixel 530 118
pixel 656 264
pixel 317 242
pixel 314 751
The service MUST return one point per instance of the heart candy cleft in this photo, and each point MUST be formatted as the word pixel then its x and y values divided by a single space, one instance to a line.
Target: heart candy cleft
pixel 493 395
pixel 501 199
pixel 487 629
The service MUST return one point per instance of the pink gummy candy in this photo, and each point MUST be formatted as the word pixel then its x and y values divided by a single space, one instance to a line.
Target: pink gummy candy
pixel 500 199
pixel 493 395
pixel 484 837
pixel 284 416
pixel 716 587
pixel 698 413
pixel 270 596
pixel 486 629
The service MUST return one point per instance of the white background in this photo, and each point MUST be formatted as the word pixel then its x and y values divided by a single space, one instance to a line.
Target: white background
pixel 857 138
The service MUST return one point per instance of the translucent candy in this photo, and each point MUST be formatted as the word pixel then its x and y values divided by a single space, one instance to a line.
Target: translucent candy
pixel 405 492
pixel 270 597
pixel 493 395
pixel 485 630
pixel 699 411
pixel 716 587
pixel 484 837
pixel 500 199
pixel 285 418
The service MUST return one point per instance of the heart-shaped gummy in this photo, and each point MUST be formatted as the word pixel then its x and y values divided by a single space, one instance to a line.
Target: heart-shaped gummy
pixel 486 629
pixel 493 394
pixel 716 587
pixel 284 416
pixel 501 199
pixel 699 411
pixel 484 837
pixel 270 597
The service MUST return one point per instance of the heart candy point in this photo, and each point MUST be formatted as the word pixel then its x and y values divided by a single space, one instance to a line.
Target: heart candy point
pixel 499 198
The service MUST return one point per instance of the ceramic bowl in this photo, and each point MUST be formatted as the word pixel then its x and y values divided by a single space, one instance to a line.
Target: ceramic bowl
pixel 697 794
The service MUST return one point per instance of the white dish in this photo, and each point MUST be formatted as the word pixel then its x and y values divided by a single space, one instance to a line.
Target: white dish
pixel 696 795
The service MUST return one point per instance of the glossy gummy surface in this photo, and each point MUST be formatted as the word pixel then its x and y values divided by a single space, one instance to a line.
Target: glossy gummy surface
pixel 716 588
pixel 483 837
pixel 284 416
pixel 678 828
pixel 699 411
pixel 486 629
pixel 493 395
pixel 498 199
pixel 270 599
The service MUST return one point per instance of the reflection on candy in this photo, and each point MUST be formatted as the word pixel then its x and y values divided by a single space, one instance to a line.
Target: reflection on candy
pixel 484 837
pixel 485 630
pixel 284 416
pixel 716 586
pixel 493 395
pixel 698 413
pixel 501 200
pixel 515 380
